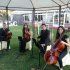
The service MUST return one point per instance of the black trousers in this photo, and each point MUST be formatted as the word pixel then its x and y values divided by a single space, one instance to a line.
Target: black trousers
pixel 38 44
pixel 8 44
pixel 62 54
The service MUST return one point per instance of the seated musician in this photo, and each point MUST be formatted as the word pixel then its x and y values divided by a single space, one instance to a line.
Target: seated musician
pixel 59 50
pixel 44 39
pixel 65 41
pixel 5 34
pixel 25 37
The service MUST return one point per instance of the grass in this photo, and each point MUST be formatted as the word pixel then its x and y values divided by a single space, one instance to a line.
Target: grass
pixel 13 60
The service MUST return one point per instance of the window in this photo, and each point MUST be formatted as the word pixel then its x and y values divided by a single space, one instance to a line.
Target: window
pixel 49 18
pixel 36 18
pixel 40 17
pixel 67 18
pixel 26 18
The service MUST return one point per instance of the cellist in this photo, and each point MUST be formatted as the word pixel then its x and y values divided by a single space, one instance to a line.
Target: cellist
pixel 65 40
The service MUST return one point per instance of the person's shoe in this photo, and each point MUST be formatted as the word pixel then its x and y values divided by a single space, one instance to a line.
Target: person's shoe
pixel 61 68
pixel 34 40
pixel 7 49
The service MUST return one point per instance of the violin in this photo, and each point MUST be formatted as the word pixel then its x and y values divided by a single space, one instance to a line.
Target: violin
pixel 27 35
pixel 9 35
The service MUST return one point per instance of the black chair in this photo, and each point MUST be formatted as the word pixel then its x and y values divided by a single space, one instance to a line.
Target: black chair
pixel 21 44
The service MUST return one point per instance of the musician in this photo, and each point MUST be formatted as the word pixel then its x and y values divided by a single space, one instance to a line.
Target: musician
pixel 65 40
pixel 26 36
pixel 3 34
pixel 44 39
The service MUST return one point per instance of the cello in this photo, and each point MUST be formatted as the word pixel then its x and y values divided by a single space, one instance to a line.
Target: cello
pixel 51 56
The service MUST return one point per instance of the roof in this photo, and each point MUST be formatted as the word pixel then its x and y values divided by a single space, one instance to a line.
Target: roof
pixel 37 4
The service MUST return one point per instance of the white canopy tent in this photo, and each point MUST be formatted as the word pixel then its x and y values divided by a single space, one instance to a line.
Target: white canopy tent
pixel 37 4
pixel 34 5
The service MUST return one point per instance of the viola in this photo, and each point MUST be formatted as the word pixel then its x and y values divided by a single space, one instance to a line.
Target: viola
pixel 9 35
pixel 27 35
pixel 51 56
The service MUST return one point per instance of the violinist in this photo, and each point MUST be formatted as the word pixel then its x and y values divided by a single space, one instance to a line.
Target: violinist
pixel 26 36
pixel 4 34
pixel 26 32
pixel 64 40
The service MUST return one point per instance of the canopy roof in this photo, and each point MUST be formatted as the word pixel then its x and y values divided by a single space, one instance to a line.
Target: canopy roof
pixel 37 4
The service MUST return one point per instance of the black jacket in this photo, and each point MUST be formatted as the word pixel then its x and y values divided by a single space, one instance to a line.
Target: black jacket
pixel 3 34
pixel 44 36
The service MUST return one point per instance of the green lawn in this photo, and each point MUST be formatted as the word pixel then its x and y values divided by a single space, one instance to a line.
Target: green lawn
pixel 13 60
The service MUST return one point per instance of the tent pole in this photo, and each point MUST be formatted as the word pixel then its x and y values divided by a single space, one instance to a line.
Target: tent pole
pixel 33 15
pixel 59 15
pixel 34 30
pixel 7 16
pixel 33 19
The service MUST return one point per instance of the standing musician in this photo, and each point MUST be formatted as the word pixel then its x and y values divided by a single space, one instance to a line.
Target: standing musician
pixel 44 39
pixel 26 36
pixel 5 34
pixel 59 50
